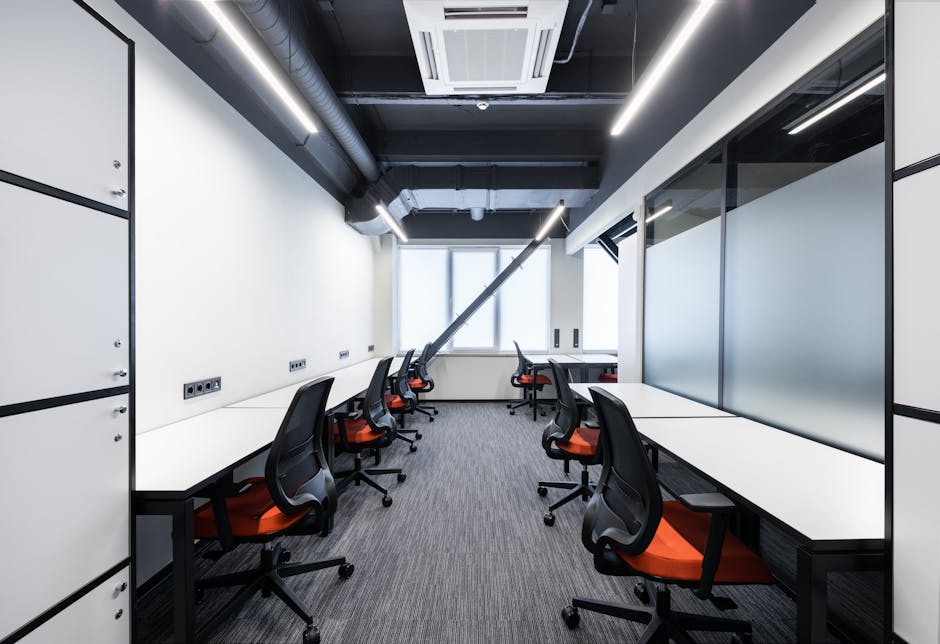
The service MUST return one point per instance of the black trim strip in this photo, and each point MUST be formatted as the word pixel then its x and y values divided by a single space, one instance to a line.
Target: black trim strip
pixel 914 168
pixel 49 191
pixel 917 413
pixel 60 401
pixel 45 616
pixel 97 16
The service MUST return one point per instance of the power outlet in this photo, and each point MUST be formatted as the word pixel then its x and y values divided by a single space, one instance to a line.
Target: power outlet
pixel 344 354
pixel 201 387
pixel 371 347
pixel 297 365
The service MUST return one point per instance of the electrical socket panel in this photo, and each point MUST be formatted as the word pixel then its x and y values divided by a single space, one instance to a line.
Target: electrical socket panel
pixel 297 365
pixel 201 387
pixel 344 354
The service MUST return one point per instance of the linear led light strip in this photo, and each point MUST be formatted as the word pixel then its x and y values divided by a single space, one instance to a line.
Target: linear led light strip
pixel 391 221
pixel 845 100
pixel 656 74
pixel 552 218
pixel 662 211
pixel 260 66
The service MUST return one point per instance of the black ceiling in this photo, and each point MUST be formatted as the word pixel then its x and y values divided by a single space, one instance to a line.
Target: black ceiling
pixel 365 49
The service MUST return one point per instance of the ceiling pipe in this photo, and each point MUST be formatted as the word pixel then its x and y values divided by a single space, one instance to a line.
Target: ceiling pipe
pixel 476 213
pixel 287 43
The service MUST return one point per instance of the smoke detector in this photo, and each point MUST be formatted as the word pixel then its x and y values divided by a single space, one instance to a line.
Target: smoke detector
pixel 485 46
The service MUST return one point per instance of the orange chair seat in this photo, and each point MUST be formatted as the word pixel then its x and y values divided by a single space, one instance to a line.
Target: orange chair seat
pixel 395 402
pixel 607 377
pixel 678 547
pixel 250 514
pixel 416 383
pixel 526 379
pixel 357 431
pixel 583 442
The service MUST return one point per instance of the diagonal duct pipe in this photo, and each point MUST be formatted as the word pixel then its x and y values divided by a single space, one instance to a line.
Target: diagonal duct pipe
pixel 286 43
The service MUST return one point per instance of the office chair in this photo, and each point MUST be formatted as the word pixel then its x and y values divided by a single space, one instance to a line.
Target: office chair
pixel 564 439
pixel 373 431
pixel 422 383
pixel 295 496
pixel 607 377
pixel 403 401
pixel 684 542
pixel 522 379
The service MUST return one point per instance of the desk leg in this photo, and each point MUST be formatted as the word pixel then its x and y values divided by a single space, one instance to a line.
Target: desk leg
pixel 184 577
pixel 535 392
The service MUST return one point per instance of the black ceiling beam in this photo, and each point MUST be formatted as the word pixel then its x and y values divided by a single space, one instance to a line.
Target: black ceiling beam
pixel 585 75
pixel 494 146
pixel 366 98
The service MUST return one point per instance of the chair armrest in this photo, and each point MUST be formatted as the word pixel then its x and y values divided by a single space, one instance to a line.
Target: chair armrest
pixel 710 502
pixel 591 424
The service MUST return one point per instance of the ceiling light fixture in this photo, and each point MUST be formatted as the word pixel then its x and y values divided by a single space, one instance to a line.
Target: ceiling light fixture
pixel 260 66
pixel 848 95
pixel 391 221
pixel 655 75
pixel 666 207
pixel 552 218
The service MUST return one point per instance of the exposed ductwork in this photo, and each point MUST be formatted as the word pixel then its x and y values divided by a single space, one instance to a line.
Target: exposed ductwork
pixel 286 42
pixel 407 188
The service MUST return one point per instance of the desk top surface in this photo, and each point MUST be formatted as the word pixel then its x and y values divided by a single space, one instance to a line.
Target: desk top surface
pixel 177 457
pixel 646 401
pixel 822 492
pixel 593 358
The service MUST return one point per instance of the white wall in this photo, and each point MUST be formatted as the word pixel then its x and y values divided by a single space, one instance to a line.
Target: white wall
pixel 243 261
pixel 630 348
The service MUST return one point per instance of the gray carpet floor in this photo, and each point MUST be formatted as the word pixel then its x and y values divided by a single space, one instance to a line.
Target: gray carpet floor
pixel 463 555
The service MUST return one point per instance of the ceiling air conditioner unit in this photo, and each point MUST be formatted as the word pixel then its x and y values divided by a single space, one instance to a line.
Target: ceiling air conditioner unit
pixel 485 46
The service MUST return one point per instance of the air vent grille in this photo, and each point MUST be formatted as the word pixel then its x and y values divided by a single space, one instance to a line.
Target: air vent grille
pixel 485 13
pixel 539 69
pixel 430 60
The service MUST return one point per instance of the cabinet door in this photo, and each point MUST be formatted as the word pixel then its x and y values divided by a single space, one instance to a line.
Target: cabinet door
pixel 916 306
pixel 64 295
pixel 101 616
pixel 66 502
pixel 64 80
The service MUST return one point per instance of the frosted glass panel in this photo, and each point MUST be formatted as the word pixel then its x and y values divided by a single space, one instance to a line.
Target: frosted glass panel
pixel 472 271
pixel 680 335
pixel 804 305
pixel 600 321
pixel 422 296
pixel 523 302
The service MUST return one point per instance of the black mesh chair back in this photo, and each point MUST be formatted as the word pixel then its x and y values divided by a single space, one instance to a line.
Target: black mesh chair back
pixel 562 426
pixel 627 505
pixel 296 471
pixel 421 366
pixel 521 366
pixel 402 388
pixel 373 406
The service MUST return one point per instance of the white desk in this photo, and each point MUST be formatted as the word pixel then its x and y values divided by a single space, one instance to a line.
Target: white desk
pixel 646 401
pixel 604 359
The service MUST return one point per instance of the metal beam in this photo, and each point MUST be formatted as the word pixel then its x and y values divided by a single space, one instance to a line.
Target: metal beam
pixel 506 146
pixel 554 98
pixel 482 297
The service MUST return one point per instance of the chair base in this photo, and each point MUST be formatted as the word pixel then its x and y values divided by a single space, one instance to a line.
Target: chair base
pixel 527 401
pixel 663 624
pixel 583 489
pixel 359 475
pixel 269 579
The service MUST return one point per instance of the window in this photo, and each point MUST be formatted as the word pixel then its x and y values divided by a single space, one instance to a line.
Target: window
pixel 600 321
pixel 436 284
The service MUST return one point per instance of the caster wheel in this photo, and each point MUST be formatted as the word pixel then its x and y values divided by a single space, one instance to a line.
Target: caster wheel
pixel 571 616
pixel 741 638
pixel 435 412
pixel 418 436
pixel 512 412
pixel 549 519
pixel 412 448
pixel 346 570
pixel 641 593
pixel 199 595
pixel 542 413
pixel 402 477
pixel 431 419
pixel 386 501
pixel 311 635
pixel 285 556
pixel 542 490
pixel 508 405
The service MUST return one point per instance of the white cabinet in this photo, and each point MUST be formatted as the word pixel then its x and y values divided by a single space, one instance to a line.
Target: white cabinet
pixel 916 530
pixel 64 79
pixel 917 90
pixel 65 496
pixel 64 293
pixel 916 305
pixel 101 616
